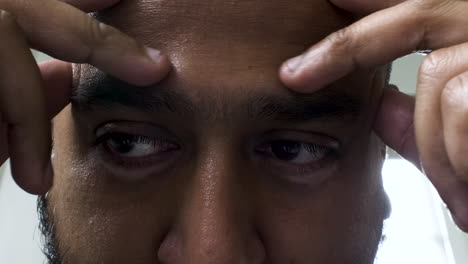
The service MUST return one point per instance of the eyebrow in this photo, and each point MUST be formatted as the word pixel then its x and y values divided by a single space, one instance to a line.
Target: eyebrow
pixel 104 91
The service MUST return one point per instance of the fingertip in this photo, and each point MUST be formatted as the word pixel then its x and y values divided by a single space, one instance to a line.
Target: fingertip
pixel 154 73
pixel 457 206
pixel 163 67
pixel 56 72
pixel 461 222
pixel 394 123
pixel 294 78
pixel 142 70
pixel 58 80
pixel 30 181
pixel 315 69
pixel 48 176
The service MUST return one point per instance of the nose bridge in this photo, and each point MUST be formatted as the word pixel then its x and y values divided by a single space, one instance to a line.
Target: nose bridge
pixel 214 227
pixel 215 216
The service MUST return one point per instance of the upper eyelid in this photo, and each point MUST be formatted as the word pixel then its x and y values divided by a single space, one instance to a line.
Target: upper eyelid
pixel 133 128
pixel 303 143
pixel 134 137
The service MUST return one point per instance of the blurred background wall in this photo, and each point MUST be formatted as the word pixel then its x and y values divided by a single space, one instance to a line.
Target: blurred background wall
pixel 419 230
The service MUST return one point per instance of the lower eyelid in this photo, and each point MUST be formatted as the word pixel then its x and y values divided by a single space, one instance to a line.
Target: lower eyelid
pixel 134 170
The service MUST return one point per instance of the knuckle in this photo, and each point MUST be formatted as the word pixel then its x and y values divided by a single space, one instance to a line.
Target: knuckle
pixel 454 95
pixel 455 89
pixel 433 66
pixel 341 40
pixel 98 36
pixel 101 34
pixel 429 5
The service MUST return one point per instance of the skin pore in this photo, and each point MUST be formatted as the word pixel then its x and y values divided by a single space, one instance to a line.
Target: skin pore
pixel 219 163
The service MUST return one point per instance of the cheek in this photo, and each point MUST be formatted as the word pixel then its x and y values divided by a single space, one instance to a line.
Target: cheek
pixel 331 228
pixel 339 223
pixel 99 219
pixel 95 218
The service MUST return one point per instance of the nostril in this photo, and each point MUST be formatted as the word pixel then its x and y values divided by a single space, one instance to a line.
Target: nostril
pixel 175 249
pixel 257 251
pixel 170 250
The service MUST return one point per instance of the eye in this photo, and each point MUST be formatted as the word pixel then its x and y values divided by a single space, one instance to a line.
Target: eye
pixel 134 146
pixel 294 152
pixel 299 162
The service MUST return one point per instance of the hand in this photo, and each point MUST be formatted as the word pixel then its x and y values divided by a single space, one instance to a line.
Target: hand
pixel 437 142
pixel 31 94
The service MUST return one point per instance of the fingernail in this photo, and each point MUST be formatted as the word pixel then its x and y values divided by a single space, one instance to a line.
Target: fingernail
pixel 294 63
pixel 5 15
pixel 154 54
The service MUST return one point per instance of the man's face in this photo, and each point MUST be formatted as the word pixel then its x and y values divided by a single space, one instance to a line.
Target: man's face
pixel 219 163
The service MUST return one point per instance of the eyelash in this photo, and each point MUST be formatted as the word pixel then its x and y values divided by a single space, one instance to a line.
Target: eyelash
pixel 124 139
pixel 319 152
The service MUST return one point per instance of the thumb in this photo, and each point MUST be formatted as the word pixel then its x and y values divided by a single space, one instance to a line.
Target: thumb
pixel 394 123
pixel 58 80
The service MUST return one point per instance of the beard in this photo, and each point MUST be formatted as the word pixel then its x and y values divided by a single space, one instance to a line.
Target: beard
pixel 47 228
pixel 50 245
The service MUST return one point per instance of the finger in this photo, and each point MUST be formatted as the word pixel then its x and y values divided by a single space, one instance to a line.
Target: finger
pixel 435 72
pixel 3 141
pixel 82 39
pixel 362 7
pixel 92 5
pixel 58 81
pixel 376 40
pixel 455 123
pixel 57 76
pixel 22 105
pixel 394 124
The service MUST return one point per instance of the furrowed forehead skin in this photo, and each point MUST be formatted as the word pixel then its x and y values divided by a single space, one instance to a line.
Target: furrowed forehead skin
pixel 226 44
pixel 225 52
pixel 227 25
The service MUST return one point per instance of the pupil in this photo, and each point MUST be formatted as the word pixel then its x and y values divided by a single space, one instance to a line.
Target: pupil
pixel 124 147
pixel 122 143
pixel 286 150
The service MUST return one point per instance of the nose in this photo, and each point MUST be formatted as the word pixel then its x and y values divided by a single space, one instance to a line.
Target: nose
pixel 216 220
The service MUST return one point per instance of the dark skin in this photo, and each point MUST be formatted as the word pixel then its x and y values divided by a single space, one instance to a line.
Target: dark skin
pixel 429 130
pixel 27 104
pixel 234 177
pixel 222 185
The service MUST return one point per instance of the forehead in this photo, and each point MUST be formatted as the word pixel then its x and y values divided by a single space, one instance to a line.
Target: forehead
pixel 227 39
pixel 229 49
pixel 259 31
pixel 260 20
